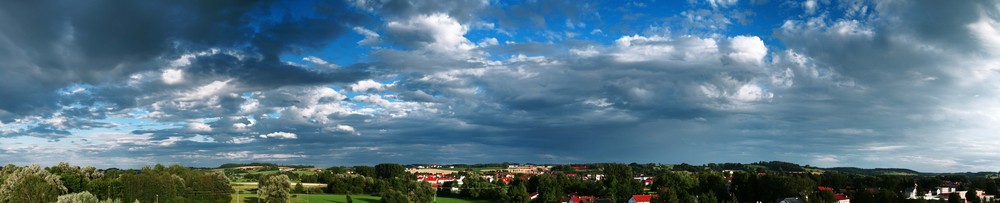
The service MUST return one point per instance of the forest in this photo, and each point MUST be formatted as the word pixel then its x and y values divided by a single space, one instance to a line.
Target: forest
pixel 678 183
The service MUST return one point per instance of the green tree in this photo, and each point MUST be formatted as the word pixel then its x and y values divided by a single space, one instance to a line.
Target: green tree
pixel 388 171
pixel 298 188
pixel 211 187
pixel 82 197
pixel 517 194
pixel 110 201
pixel 970 196
pixel 955 198
pixel 274 188
pixel 393 196
pixel 366 171
pixel 151 184
pixel 666 195
pixel 475 187
pixel 31 184
pixel 423 192
pixel 549 188
pixel 619 182
pixel 708 198
pixel 824 196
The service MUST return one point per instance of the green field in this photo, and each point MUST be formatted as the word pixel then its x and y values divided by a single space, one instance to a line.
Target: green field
pixel 330 198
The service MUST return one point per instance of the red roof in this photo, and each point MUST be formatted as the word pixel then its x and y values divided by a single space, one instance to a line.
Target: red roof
pixel 642 198
pixel 821 188
pixel 841 197
pixel 578 198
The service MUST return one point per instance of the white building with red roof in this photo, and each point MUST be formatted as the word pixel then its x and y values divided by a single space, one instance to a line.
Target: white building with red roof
pixel 641 199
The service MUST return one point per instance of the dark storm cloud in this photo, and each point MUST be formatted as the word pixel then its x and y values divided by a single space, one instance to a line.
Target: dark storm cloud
pixel 49 44
pixel 268 73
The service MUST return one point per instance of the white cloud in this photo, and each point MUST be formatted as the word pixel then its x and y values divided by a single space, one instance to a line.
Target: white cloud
pixel 722 3
pixel 172 76
pixel 747 49
pixel 748 93
pixel 198 126
pixel 488 42
pixel 638 48
pixel 209 90
pixel 241 140
pixel 316 60
pixel 347 129
pixel 810 6
pixel 370 36
pixel 590 51
pixel 446 35
pixel 280 135
pixel 366 85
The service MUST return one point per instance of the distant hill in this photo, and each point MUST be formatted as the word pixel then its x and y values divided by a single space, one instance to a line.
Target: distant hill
pixel 873 171
pixel 232 165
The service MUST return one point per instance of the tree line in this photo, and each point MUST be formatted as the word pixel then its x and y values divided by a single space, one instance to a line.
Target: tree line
pixel 66 183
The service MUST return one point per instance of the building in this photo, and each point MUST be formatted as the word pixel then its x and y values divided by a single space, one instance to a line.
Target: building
pixel 791 200
pixel 841 198
pixel 578 199
pixel 529 169
pixel 641 199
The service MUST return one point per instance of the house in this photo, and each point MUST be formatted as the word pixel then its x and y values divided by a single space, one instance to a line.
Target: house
pixel 286 169
pixel 641 199
pixel 791 200
pixel 578 199
pixel 841 198
pixel 533 196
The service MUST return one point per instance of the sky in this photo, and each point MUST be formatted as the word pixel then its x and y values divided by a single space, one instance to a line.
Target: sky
pixel 891 83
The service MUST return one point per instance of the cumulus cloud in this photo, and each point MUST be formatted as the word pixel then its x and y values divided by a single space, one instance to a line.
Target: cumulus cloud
pixel 437 32
pixel 280 135
pixel 746 49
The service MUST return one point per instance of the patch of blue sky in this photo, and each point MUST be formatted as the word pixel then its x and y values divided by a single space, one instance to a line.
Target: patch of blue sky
pixel 274 115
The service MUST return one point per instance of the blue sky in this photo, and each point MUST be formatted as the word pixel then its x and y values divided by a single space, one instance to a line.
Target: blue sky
pixel 910 84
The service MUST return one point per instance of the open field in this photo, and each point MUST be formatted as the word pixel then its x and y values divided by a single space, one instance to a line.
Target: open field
pixel 334 198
